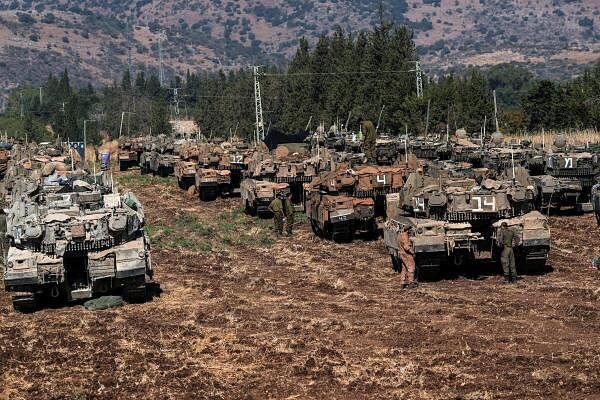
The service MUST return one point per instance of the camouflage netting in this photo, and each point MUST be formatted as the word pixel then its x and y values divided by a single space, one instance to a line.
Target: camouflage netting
pixel 103 303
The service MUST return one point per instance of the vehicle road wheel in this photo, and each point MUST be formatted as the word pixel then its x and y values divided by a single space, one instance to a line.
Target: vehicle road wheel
pixel 135 293
pixel 25 302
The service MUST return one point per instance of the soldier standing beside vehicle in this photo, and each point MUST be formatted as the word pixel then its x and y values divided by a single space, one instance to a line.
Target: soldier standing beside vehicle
pixel 370 134
pixel 596 199
pixel 507 257
pixel 276 207
pixel 4 242
pixel 406 253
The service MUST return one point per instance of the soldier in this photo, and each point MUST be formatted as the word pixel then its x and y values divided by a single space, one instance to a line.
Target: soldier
pixel 276 207
pixel 368 130
pixel 507 257
pixel 4 242
pixel 478 181
pixel 596 199
pixel 288 210
pixel 407 276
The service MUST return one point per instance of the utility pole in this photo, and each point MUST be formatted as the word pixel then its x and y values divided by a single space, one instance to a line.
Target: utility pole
pixel 129 37
pixel 121 127
pixel 122 118
pixel 496 112
pixel 40 95
pixel 85 137
pixel 427 119
pixel 175 103
pixel 161 73
pixel 379 119
pixel 419 79
pixel 21 104
pixel 260 126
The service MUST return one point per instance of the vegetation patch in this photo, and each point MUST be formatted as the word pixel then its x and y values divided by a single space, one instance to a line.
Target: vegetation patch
pixel 230 229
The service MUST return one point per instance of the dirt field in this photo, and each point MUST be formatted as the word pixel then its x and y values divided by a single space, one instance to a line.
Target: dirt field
pixel 247 316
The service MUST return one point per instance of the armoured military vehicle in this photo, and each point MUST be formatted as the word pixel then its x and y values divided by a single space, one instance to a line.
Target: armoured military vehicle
pixel 465 150
pixel 345 201
pixel 257 195
pixel 235 159
pixel 454 222
pixel 159 157
pixel 127 157
pixel 427 148
pixel 4 157
pixel 25 164
pixel 187 164
pixel 503 158
pixel 290 163
pixel 386 150
pixel 185 172
pixel 568 178
pixel 212 183
pixel 75 238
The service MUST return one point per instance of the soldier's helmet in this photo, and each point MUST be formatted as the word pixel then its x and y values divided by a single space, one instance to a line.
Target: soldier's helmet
pixel 461 133
pixel 497 138
pixel 560 141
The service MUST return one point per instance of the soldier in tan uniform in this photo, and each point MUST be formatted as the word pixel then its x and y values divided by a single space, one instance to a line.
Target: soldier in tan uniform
pixel 507 257
pixel 370 135
pixel 406 253
pixel 283 214
pixel 276 207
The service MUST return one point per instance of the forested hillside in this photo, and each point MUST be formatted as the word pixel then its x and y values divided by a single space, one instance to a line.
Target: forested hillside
pixel 97 39
pixel 341 75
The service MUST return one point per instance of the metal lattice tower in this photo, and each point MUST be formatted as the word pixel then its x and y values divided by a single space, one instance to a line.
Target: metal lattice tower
pixel 175 102
pixel 260 126
pixel 419 80
pixel 161 73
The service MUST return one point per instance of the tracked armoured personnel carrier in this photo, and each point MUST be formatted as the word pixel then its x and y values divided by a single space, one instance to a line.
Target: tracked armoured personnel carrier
pixel 185 172
pixel 258 195
pixel 465 150
pixel 454 222
pixel 75 238
pixel 187 165
pixel 4 157
pixel 290 163
pixel 346 201
pixel 427 148
pixel 235 158
pixel 128 153
pixel 159 157
pixel 568 178
pixel 212 183
pixel 387 150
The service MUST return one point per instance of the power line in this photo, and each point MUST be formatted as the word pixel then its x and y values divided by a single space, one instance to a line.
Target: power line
pixel 342 73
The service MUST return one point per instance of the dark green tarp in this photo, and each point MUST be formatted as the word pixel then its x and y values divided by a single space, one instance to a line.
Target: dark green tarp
pixel 104 302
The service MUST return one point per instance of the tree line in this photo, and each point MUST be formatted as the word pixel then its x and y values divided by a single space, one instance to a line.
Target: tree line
pixel 344 76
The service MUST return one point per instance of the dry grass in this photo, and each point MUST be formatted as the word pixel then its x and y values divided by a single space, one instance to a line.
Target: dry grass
pixel 574 137
pixel 311 319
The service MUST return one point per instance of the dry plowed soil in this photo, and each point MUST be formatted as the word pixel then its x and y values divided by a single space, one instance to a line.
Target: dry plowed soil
pixel 245 315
